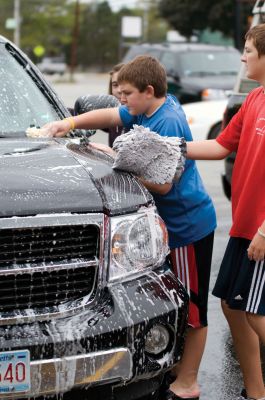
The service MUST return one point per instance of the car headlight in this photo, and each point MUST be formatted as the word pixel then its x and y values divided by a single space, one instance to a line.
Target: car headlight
pixel 138 241
pixel 214 94
pixel 157 339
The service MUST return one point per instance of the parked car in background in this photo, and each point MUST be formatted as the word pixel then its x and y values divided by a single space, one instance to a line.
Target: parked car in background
pixel 242 87
pixel 89 308
pixel 195 71
pixel 205 118
pixel 52 65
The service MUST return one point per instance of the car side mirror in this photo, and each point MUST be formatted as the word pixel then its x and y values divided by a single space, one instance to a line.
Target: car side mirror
pixel 87 103
pixel 94 102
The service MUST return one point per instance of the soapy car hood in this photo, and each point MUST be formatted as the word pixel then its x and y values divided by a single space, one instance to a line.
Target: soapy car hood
pixel 55 176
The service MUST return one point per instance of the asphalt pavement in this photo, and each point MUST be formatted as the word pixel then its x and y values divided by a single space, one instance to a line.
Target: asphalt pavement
pixel 219 376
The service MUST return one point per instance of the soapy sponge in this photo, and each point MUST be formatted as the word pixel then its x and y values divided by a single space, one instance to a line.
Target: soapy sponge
pixel 148 155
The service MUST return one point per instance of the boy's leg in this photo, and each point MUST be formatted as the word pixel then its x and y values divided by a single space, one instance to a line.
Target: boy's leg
pixel 257 322
pixel 187 369
pixel 247 347
pixel 192 265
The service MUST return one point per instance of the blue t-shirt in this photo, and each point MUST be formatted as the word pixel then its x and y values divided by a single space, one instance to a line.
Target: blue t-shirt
pixel 186 209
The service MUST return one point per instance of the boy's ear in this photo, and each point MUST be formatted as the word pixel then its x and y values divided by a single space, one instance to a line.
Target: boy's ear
pixel 150 90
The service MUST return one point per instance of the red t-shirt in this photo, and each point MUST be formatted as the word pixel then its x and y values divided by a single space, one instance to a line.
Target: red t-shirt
pixel 245 134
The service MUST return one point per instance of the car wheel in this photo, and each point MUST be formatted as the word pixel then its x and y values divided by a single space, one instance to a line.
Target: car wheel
pixel 214 132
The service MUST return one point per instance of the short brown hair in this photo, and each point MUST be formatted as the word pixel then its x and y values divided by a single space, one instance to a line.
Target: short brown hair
pixel 257 34
pixel 143 71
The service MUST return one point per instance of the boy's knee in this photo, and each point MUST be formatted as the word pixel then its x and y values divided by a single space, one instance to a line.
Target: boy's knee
pixel 225 307
pixel 255 319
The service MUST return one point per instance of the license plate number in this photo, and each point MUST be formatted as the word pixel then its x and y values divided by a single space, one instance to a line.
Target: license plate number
pixel 14 371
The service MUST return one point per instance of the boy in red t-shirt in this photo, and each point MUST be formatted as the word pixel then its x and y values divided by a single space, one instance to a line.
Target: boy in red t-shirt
pixel 241 280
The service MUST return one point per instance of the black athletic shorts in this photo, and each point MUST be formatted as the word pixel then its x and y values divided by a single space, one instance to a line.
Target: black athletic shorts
pixel 241 282
pixel 192 265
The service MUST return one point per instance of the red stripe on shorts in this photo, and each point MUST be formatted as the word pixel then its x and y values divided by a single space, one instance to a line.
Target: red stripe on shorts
pixel 185 268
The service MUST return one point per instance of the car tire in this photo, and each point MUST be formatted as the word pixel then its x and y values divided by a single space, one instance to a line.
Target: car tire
pixel 214 132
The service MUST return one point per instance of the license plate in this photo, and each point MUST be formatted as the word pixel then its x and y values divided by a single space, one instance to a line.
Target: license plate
pixel 14 371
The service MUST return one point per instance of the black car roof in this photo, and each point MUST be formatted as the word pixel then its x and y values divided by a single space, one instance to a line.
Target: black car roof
pixel 184 46
pixel 158 49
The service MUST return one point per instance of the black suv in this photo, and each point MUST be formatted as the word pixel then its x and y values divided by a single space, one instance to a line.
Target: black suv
pixel 242 87
pixel 195 71
pixel 89 307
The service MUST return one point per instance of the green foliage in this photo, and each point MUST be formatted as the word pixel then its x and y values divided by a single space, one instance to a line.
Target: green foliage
pixel 187 16
pixel 96 42
pixel 47 23
pixel 157 27
pixel 99 36
pixel 6 7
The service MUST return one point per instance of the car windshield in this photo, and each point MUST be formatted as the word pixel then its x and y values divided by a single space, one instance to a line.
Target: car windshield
pixel 22 104
pixel 206 63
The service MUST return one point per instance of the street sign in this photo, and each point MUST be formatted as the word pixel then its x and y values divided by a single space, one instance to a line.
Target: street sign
pixel 131 27
pixel 10 23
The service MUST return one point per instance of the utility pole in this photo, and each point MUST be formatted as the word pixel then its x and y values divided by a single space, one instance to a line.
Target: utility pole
pixel 145 5
pixel 238 32
pixel 75 40
pixel 17 22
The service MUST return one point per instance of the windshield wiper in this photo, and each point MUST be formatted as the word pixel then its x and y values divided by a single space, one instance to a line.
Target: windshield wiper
pixel 24 151
pixel 12 134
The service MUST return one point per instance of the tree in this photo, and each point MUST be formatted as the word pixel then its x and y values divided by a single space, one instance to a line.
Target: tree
pixel 48 24
pixel 187 16
pixel 99 36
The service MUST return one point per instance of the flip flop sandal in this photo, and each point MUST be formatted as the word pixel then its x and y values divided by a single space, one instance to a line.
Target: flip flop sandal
pixel 173 396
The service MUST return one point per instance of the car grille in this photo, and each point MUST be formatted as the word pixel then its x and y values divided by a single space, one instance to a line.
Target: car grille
pixel 47 244
pixel 43 289
pixel 47 266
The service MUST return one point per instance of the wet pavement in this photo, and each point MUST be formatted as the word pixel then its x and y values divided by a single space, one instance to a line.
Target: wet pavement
pixel 219 374
pixel 219 377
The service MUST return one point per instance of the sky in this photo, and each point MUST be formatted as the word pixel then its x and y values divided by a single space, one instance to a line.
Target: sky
pixel 117 4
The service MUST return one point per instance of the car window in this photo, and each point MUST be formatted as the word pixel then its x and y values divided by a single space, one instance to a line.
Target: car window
pixel 202 63
pixel 135 51
pixel 154 53
pixel 169 60
pixel 22 104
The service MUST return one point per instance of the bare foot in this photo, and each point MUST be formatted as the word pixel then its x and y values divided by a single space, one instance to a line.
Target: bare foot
pixel 184 390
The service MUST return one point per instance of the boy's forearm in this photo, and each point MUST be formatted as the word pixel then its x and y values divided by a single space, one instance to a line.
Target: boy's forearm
pixel 206 150
pixel 98 119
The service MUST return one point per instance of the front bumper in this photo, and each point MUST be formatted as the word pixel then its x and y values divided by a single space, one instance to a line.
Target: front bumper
pixel 105 344
pixel 62 374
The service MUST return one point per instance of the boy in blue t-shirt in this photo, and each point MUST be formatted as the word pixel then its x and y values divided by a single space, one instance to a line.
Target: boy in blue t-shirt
pixel 185 206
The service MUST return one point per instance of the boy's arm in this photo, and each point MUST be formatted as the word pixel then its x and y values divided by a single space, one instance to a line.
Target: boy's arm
pixel 206 150
pixel 95 119
pixel 200 150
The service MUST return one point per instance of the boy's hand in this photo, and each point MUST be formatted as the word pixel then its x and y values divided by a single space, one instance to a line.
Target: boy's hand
pixel 58 128
pixel 256 250
pixel 103 147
